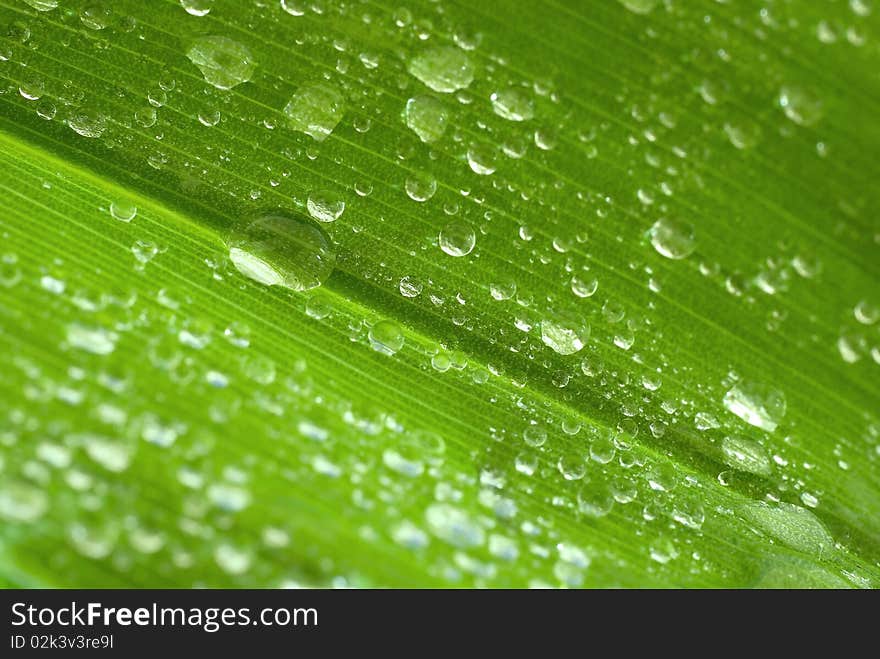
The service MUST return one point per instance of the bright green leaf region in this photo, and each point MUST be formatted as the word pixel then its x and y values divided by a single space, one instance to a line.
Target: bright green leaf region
pixel 549 293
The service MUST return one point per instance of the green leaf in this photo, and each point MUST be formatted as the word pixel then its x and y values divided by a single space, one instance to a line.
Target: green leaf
pixel 439 294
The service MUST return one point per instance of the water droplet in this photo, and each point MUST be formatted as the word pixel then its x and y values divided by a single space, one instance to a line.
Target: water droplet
pixel 742 134
pixel 746 455
pixel 96 340
pixel 566 334
pixel 640 6
pixel 584 287
pixel 294 7
pixel 482 159
pixel 410 287
pixel 454 526
pixel 43 5
pixel 426 117
pixel 386 337
pixel 123 211
pixel 444 69
pixel 112 454
pixel 326 205
pixel 513 103
pixel 87 122
pixel 408 535
pixel 866 312
pixel 502 290
pixel 800 105
pixel 672 238
pixel 197 7
pixel 315 110
pixel 283 250
pixel 224 62
pixel 421 187
pixel 792 525
pixel 535 435
pixel 757 404
pixel 21 502
pixel 457 239
pixel 231 559
pixel 31 90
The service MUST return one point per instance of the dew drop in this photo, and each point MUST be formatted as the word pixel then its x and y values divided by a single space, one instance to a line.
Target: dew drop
pixel 482 159
pixel 279 249
pixel 746 455
pixel 421 187
pixel 426 117
pixel 197 7
pixel 87 122
pixel 386 337
pixel 315 110
pixel 757 404
pixel 444 69
pixel 800 105
pixel 410 287
pixel 224 62
pixel 672 238
pixel 454 526
pixel 565 334
pixel 513 103
pixel 123 211
pixel 792 525
pixel 43 5
pixel 457 239
pixel 326 205
pixel 640 6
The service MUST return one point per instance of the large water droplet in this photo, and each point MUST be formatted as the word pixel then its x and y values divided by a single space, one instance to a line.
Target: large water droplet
pixel 326 205
pixel 565 334
pixel 513 103
pixel 640 6
pixel 426 117
pixel 757 404
pixel 746 455
pixel 444 69
pixel 800 105
pixel 386 337
pixel 43 5
pixel 672 238
pixel 792 525
pixel 454 526
pixel 87 122
pixel 224 62
pixel 21 502
pixel 283 250
pixel 315 110
pixel 197 7
pixel 457 239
